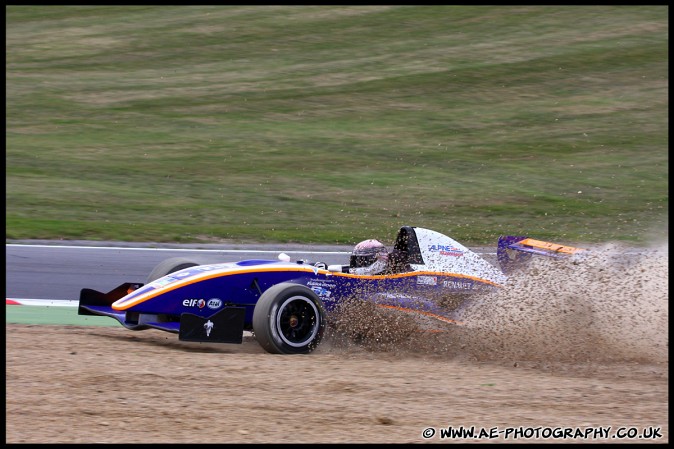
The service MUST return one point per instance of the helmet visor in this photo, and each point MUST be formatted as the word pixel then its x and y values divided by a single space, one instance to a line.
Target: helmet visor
pixel 358 261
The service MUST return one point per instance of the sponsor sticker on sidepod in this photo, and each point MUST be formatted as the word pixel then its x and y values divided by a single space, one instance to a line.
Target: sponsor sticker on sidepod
pixel 214 303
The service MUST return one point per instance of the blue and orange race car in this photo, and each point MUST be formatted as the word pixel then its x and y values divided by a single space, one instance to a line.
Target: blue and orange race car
pixel 286 305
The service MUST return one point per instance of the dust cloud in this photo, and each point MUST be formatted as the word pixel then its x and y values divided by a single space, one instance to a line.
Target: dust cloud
pixel 609 304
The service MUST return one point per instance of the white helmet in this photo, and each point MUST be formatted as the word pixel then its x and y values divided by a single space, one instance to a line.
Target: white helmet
pixel 368 257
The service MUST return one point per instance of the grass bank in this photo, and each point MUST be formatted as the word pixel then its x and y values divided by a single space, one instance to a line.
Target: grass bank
pixel 329 124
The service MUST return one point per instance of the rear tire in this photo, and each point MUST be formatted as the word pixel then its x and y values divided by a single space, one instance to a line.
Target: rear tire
pixel 289 319
pixel 169 266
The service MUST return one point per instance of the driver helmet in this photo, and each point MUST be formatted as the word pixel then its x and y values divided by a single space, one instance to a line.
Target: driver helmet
pixel 368 257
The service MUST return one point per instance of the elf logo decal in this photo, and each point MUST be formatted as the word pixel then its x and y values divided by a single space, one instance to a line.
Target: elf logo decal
pixel 194 303
pixel 213 303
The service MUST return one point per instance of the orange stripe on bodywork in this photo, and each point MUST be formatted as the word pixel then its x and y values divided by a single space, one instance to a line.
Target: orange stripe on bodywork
pixel 416 273
pixel 550 246
pixel 420 312
pixel 124 304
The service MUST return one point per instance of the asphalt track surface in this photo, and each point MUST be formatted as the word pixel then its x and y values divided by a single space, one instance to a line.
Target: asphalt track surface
pixel 57 270
pixel 54 270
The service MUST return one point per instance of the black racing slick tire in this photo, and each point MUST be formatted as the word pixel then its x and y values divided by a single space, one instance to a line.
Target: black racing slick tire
pixel 289 319
pixel 169 266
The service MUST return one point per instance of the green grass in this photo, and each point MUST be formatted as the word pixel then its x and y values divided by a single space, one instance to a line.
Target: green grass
pixel 54 315
pixel 329 124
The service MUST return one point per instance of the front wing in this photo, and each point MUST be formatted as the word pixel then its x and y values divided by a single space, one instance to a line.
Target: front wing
pixel 224 326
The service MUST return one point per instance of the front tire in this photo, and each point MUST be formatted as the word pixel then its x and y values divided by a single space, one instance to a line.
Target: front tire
pixel 169 266
pixel 289 319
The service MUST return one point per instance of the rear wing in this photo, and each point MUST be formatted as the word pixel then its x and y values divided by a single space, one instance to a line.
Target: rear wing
pixel 514 251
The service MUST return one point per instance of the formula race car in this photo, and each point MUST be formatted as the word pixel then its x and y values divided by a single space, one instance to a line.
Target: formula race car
pixel 286 305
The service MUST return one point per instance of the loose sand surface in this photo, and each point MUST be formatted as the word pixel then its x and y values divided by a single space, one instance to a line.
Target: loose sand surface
pixel 575 346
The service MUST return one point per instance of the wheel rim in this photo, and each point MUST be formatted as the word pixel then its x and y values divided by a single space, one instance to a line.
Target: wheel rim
pixel 297 321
